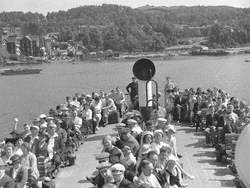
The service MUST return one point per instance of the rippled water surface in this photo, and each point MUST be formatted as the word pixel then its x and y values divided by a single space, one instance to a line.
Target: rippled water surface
pixel 26 96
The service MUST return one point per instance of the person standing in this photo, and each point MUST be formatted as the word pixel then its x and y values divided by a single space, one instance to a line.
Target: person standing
pixel 132 89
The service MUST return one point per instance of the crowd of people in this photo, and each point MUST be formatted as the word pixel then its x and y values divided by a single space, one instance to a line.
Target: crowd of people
pixel 211 110
pixel 35 152
pixel 144 154
pixel 141 154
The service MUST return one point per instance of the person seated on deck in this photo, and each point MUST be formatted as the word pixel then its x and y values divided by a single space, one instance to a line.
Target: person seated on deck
pixel 145 142
pixel 115 153
pixel 170 139
pixel 175 174
pixel 230 120
pixel 5 180
pixel 127 139
pixel 147 177
pixel 18 172
pixel 29 161
pixel 8 152
pixel 158 141
pixel 135 129
pixel 129 160
pixel 120 181
pixel 99 178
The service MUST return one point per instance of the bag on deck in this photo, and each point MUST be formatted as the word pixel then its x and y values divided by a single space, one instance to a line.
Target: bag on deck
pixel 113 117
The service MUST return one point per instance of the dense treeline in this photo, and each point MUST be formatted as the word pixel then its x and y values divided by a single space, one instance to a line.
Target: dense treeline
pixel 144 29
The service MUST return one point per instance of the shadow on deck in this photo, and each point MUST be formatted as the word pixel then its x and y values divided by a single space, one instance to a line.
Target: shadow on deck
pixel 216 172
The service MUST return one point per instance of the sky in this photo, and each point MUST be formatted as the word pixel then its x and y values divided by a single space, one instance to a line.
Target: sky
pixel 45 6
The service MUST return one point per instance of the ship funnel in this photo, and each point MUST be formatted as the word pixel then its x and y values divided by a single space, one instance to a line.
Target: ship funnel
pixel 144 69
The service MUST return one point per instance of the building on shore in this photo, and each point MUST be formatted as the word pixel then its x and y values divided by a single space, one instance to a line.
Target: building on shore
pixel 11 44
pixel 26 46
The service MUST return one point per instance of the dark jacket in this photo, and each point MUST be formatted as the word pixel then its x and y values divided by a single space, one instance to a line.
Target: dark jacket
pixel 126 184
pixel 7 182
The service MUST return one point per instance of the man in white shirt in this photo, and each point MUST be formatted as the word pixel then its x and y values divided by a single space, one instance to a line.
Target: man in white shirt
pixel 147 178
pixel 77 120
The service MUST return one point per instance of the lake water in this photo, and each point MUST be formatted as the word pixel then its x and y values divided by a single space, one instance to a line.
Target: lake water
pixel 26 96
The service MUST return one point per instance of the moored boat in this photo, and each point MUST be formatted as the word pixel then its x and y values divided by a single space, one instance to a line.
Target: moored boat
pixel 21 71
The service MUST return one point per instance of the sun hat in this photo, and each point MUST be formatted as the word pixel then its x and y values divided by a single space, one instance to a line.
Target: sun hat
pixel 42 116
pixel 163 120
pixel 147 133
pixel 43 125
pixel 117 169
pixel 52 125
pixel 103 165
pixel 158 131
pixel 64 108
pixel 34 127
pixel 171 128
pixel 131 121
pixel 104 156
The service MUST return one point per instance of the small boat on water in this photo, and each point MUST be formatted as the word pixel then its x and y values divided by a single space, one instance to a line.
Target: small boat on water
pixel 21 71
pixel 247 60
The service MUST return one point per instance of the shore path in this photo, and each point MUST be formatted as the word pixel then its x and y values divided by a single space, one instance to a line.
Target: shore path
pixel 198 161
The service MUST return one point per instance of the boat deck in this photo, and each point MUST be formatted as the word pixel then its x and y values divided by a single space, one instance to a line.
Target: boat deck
pixel 198 161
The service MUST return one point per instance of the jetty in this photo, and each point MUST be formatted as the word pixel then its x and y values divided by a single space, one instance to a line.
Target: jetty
pixel 197 159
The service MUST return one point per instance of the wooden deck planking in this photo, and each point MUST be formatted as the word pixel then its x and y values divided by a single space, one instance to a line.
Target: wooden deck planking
pixel 198 160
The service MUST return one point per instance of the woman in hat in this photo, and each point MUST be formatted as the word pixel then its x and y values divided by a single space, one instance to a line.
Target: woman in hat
pixel 170 139
pixel 18 172
pixel 158 143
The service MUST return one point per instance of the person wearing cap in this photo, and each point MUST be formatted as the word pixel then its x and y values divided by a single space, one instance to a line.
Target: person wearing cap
pixel 26 130
pixel 5 180
pixel 127 139
pixel 29 161
pixel 132 89
pixel 162 123
pixel 120 181
pixel 18 172
pixel 33 139
pixel 43 122
pixel 103 157
pixel 100 178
